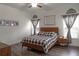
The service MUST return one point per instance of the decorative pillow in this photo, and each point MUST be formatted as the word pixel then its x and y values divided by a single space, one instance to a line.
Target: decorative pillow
pixel 46 33
pixel 40 33
pixel 49 33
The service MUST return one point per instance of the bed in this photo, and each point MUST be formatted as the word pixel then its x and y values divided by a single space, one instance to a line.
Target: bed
pixel 42 41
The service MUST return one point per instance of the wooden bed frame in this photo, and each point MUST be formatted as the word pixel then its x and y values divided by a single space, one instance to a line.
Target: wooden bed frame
pixel 42 29
pixel 49 29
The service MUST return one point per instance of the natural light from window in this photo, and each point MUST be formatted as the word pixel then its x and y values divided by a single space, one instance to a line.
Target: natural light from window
pixel 74 29
pixel 37 28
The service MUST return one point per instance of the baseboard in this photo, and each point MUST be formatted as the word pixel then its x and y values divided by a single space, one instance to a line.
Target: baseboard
pixel 71 45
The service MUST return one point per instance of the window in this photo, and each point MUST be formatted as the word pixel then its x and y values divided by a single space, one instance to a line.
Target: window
pixel 74 29
pixel 49 20
pixel 37 28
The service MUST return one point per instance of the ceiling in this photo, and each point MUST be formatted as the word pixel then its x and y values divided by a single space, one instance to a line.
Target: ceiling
pixel 46 6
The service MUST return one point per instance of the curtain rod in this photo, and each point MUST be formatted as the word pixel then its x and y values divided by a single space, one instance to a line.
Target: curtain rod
pixel 70 14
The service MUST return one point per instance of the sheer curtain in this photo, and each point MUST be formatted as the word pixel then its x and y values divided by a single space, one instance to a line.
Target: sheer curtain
pixel 74 29
pixel 37 29
pixel 69 21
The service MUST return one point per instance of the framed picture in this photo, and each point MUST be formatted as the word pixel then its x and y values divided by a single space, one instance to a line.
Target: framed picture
pixel 8 23
pixel 49 20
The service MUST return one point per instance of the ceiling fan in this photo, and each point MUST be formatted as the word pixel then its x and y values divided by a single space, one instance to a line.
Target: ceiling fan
pixel 39 5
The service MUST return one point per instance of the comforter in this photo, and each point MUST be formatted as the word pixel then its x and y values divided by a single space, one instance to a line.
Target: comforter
pixel 42 40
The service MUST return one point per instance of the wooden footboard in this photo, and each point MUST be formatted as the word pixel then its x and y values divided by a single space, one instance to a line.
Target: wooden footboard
pixel 33 46
pixel 37 47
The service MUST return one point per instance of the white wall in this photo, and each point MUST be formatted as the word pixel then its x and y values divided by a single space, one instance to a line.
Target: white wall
pixel 58 11
pixel 11 35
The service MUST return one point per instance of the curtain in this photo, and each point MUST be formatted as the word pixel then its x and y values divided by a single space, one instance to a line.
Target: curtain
pixel 35 23
pixel 69 21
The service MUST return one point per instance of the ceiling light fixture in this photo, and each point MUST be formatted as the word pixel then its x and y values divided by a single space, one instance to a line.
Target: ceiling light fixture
pixel 34 4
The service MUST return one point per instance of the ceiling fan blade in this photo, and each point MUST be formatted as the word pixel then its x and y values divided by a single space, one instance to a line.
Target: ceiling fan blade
pixel 39 6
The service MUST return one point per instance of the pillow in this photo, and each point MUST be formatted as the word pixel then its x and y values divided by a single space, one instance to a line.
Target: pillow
pixel 40 33
pixel 46 33
pixel 49 33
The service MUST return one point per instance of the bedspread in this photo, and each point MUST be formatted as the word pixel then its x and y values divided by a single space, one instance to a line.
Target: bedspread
pixel 42 40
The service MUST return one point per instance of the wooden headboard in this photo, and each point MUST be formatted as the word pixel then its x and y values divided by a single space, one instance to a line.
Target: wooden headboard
pixel 49 29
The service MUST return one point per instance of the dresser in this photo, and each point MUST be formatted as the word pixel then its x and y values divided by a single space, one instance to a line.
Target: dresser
pixel 5 50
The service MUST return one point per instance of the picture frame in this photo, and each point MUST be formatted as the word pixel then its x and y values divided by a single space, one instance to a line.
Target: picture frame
pixel 8 23
pixel 49 20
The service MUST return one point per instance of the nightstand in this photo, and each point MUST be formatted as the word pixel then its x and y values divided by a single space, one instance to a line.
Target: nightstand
pixel 63 41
